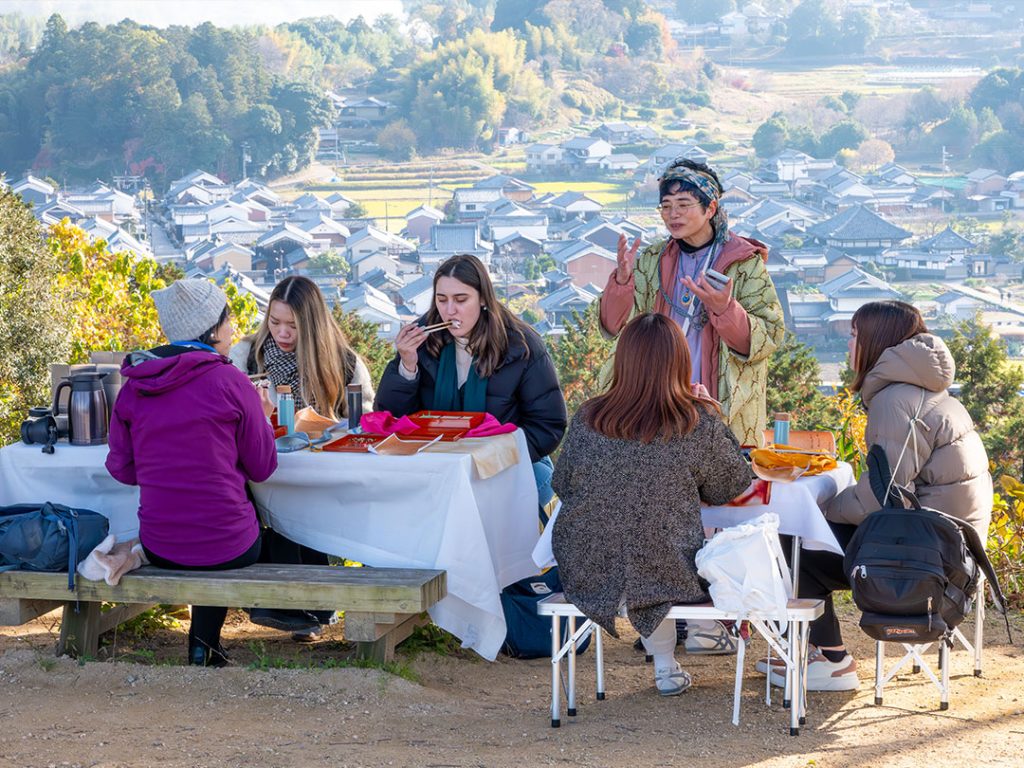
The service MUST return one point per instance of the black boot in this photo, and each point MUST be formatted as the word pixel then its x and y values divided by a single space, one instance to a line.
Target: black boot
pixel 202 655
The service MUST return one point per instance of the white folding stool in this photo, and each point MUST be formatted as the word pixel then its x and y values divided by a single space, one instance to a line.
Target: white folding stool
pixel 916 654
pixel 801 613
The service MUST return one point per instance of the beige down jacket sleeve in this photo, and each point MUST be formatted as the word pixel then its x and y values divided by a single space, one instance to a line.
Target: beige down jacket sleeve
pixel 928 437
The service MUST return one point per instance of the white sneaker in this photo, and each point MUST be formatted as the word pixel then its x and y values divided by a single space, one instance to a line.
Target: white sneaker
pixel 671 681
pixel 777 665
pixel 824 675
pixel 709 638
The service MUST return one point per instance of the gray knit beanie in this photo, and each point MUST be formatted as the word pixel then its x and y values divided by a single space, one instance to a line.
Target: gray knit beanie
pixel 189 308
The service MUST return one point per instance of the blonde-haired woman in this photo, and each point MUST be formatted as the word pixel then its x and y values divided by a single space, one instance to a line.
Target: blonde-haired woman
pixel 299 345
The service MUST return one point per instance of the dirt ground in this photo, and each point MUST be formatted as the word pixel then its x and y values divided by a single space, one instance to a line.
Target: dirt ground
pixel 139 705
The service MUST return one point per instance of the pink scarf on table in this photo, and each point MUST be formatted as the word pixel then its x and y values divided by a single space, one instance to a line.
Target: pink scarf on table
pixel 383 423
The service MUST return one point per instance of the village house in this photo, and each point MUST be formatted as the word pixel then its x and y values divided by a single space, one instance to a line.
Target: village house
pixel 362 113
pixel 584 153
pixel 511 188
pixel 446 240
pixel 544 158
pixel 858 231
pixel 511 219
pixel 828 312
pixel 373 306
pixel 569 205
pixel 471 202
pixel 583 261
pixel 560 305
pixel 34 190
pixel 419 220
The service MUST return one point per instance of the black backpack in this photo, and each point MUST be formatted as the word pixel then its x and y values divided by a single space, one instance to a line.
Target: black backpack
pixel 913 572
pixel 48 537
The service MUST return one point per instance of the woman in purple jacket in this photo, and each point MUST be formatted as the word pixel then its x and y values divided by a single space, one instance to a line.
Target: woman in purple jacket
pixel 188 428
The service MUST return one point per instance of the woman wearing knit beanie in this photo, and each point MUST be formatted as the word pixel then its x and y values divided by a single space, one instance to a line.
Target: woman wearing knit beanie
pixel 189 429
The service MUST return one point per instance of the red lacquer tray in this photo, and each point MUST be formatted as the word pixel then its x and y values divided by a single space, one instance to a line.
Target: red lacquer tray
pixel 353 443
pixel 450 425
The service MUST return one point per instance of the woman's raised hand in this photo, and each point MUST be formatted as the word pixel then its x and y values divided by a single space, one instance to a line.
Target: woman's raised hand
pixel 263 387
pixel 407 342
pixel 626 259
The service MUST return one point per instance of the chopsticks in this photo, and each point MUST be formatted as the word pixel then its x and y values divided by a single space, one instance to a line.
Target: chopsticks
pixel 830 454
pixel 438 326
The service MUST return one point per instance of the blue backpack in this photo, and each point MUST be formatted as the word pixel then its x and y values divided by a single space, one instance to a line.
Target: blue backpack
pixel 48 537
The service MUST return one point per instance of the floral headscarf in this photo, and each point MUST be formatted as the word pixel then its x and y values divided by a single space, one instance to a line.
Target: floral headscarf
pixel 707 186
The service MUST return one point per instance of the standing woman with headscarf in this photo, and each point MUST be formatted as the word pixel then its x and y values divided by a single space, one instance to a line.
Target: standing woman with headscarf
pixel 732 330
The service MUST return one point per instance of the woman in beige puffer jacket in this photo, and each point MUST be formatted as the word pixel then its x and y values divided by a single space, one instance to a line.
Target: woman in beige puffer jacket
pixel 944 461
pixel 902 373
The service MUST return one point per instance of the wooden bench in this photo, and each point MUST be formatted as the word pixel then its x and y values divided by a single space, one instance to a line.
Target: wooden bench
pixel 382 605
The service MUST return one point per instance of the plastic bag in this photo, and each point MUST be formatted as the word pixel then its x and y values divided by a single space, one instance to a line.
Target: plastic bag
pixel 746 569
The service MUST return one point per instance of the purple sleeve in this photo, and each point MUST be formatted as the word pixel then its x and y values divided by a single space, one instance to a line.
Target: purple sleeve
pixel 257 454
pixel 121 455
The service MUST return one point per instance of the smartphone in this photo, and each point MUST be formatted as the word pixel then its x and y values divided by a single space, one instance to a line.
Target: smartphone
pixel 716 278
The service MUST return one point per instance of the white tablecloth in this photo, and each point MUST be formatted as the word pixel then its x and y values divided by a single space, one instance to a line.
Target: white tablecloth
pixel 798 505
pixel 424 511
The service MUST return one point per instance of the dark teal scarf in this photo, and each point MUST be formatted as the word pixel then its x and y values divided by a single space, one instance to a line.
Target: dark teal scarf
pixel 447 396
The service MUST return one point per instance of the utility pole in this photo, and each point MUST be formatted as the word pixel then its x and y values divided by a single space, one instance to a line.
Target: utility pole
pixel 945 159
pixel 245 158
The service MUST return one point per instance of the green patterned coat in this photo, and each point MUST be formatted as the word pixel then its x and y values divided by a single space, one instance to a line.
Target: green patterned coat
pixel 738 382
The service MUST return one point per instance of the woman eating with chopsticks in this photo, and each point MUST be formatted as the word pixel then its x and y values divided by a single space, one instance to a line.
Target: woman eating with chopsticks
pixel 470 353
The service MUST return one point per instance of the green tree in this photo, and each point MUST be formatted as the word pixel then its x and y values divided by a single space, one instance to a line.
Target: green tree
pixel 579 355
pixel 365 339
pixel 397 140
pixel 989 391
pixel 1002 151
pixel 813 28
pixel 34 322
pixel 858 29
pixel 988 386
pixel 331 262
pixel 771 136
pixel 847 134
pixel 793 377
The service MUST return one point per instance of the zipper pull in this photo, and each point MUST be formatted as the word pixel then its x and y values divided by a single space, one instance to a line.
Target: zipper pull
pixel 863 571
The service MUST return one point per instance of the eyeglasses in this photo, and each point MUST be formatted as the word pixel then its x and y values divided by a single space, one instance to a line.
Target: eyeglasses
pixel 671 208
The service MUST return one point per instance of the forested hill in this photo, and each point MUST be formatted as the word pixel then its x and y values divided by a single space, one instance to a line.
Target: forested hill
pixel 157 101
pixel 98 100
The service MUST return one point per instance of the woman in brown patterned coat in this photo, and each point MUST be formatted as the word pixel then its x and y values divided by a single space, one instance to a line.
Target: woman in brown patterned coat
pixel 634 468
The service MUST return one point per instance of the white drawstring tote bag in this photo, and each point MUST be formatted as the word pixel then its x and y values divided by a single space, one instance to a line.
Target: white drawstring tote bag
pixel 746 569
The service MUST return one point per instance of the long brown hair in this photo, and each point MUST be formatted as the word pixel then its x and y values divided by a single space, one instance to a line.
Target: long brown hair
pixel 880 325
pixel 650 395
pixel 489 339
pixel 325 359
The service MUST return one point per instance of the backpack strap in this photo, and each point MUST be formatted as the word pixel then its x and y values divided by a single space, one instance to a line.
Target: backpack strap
pixel 911 435
pixel 977 550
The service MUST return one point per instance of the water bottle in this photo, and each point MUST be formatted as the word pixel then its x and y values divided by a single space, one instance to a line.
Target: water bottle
pixel 354 403
pixel 781 435
pixel 285 408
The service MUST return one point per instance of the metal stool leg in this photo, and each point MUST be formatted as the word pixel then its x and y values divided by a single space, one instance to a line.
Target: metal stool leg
pixel 556 671
pixel 979 625
pixel 944 645
pixel 599 660
pixel 571 695
pixel 879 671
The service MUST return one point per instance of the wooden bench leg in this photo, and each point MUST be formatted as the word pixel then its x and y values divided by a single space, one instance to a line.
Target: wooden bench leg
pixel 80 630
pixel 376 635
